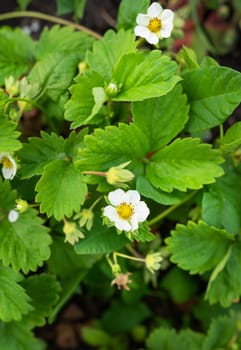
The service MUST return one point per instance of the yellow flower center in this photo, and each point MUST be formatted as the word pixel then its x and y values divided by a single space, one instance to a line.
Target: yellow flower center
pixel 155 25
pixel 125 211
pixel 7 163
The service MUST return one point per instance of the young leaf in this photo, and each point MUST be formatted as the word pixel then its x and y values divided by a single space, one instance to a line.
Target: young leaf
pixel 14 302
pixel 221 204
pixel 198 247
pixel 226 286
pixel 79 108
pixel 8 136
pixel 61 189
pixel 24 246
pixel 113 146
pixel 213 93
pixel 158 80
pixel 43 290
pixel 232 139
pixel 39 152
pixel 185 163
pixel 152 115
pixel 16 53
pixel 63 40
pixel 128 11
pixel 16 336
pixel 108 52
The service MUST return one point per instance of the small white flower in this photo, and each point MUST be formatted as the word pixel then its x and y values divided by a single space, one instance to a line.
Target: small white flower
pixel 156 24
pixel 13 215
pixel 126 210
pixel 9 167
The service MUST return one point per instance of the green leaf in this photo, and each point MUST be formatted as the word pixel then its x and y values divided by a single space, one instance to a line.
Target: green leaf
pixel 7 198
pixel 14 302
pixel 54 74
pixel 61 189
pixel 152 115
pixel 128 11
pixel 198 247
pixel 129 315
pixel 62 40
pixel 158 80
pixel 36 154
pixel 185 163
pixel 95 337
pixel 67 6
pixel 146 189
pixel 168 339
pixel 187 58
pixel 16 53
pixel 8 136
pixel 143 234
pixel 108 52
pixel 24 246
pixel 16 336
pixel 221 325
pixel 213 93
pixel 113 146
pixel 232 138
pixel 100 240
pixel 221 204
pixel 23 4
pixel 43 290
pixel 79 108
pixel 226 286
pixel 74 142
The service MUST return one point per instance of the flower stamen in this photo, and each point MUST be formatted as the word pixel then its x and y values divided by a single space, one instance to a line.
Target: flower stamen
pixel 155 25
pixel 7 163
pixel 125 211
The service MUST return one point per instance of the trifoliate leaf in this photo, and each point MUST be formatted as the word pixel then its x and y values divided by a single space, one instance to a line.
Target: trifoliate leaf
pixel 198 247
pixel 8 136
pixel 146 189
pixel 151 115
pixel 185 163
pixel 16 336
pixel 63 40
pixel 113 146
pixel 128 11
pixel 16 53
pixel 54 74
pixel 39 152
pixel 221 204
pixel 24 246
pixel 108 52
pixel 43 290
pixel 100 240
pixel 158 80
pixel 213 93
pixel 232 138
pixel 164 338
pixel 14 302
pixel 79 109
pixel 221 325
pixel 226 286
pixel 61 189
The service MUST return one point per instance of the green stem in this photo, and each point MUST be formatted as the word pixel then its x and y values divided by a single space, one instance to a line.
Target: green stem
pixel 115 254
pixel 221 131
pixel 169 210
pixel 49 18
pixel 95 202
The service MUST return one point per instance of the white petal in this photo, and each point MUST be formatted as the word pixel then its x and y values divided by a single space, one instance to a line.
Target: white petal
pixel 143 20
pixel 8 174
pixel 152 38
pixel 154 10
pixel 132 197
pixel 134 223
pixel 141 31
pixel 116 197
pixel 166 31
pixel 167 16
pixel 123 225
pixel 13 215
pixel 141 211
pixel 110 213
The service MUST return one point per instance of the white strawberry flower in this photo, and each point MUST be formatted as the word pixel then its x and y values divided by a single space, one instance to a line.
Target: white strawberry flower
pixel 126 210
pixel 154 25
pixel 9 166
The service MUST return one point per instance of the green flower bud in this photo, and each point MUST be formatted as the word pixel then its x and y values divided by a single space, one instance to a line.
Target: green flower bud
pixel 118 175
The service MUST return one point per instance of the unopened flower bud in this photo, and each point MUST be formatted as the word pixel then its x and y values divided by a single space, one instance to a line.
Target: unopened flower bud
pixel 112 89
pixel 118 175
pixel 12 86
pixel 21 205
pixel 72 233
pixel 82 66
pixel 13 216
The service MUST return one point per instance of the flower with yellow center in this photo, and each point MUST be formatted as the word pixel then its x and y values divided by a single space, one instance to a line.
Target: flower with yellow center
pixel 126 210
pixel 154 25
pixel 9 167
